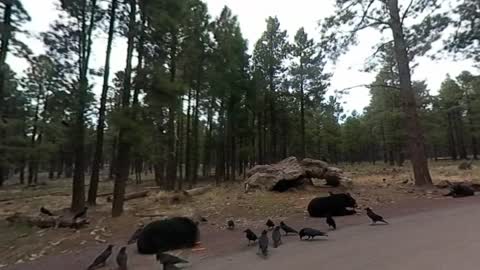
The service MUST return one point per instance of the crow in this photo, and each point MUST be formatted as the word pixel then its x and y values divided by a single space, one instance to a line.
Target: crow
pixel 270 224
pixel 331 222
pixel 374 217
pixel 170 267
pixel 276 237
pixel 101 260
pixel 122 259
pixel 251 236
pixel 135 235
pixel 45 211
pixel 310 233
pixel 263 243
pixel 287 229
pixel 81 214
pixel 230 225
pixel 167 259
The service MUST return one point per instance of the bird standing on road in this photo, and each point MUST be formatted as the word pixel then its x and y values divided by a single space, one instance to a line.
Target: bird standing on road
pixel 135 235
pixel 374 217
pixel 101 260
pixel 276 237
pixel 310 233
pixel 287 229
pixel 251 236
pixel 122 259
pixel 169 260
pixel 331 222
pixel 230 225
pixel 263 243
pixel 270 224
pixel 45 211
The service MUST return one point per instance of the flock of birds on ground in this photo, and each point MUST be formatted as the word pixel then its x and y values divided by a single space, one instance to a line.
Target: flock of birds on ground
pixel 169 261
pixel 309 233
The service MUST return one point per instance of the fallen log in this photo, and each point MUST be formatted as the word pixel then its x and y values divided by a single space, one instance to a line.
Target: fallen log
pixel 47 221
pixel 132 196
pixel 197 191
pixel 104 194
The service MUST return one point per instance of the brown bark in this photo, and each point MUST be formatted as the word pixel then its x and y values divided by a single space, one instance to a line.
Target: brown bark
pixel 415 135
pixel 98 156
pixel 171 134
pixel 124 145
pixel 132 196
pixel 5 40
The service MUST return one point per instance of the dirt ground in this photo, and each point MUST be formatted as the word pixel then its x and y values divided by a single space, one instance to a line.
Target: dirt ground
pixel 375 186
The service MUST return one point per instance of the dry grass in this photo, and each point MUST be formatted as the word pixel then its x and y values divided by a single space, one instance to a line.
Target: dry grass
pixel 21 243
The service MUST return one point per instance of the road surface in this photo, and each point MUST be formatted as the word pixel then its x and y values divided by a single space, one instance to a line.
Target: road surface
pixel 440 239
pixel 428 234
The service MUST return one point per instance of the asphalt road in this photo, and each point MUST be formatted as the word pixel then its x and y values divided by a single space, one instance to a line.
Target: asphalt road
pixel 439 239
pixel 423 234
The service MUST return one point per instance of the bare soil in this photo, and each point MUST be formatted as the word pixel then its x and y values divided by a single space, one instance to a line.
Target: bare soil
pixel 377 186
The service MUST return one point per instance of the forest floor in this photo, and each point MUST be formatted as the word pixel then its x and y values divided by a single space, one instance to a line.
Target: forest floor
pixel 23 244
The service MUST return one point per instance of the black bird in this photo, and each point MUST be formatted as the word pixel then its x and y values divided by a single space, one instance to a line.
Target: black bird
pixel 287 229
pixel 230 225
pixel 101 260
pixel 270 224
pixel 167 259
pixel 276 237
pixel 263 243
pixel 122 259
pixel 251 236
pixel 65 123
pixel 135 235
pixel 80 214
pixel 170 267
pixel 374 217
pixel 203 219
pixel 331 222
pixel 45 211
pixel 310 233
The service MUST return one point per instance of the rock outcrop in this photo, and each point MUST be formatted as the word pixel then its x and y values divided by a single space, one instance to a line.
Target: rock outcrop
pixel 290 173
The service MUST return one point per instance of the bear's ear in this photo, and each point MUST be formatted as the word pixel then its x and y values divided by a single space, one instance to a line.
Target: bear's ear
pixel 348 194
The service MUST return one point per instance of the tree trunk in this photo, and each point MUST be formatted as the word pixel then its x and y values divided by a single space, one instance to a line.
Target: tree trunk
pixel 188 145
pixel 179 146
pixel 416 139
pixel 98 156
pixel 113 156
pixel 124 145
pixel 5 40
pixel 195 135
pixel 220 147
pixel 451 137
pixel 208 140
pixel 302 116
pixel 78 192
pixel 459 134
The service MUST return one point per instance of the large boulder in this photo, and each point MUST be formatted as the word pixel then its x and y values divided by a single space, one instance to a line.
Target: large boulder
pixel 314 168
pixel 291 173
pixel 285 174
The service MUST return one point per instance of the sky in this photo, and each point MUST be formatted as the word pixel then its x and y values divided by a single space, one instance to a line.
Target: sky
pixel 252 15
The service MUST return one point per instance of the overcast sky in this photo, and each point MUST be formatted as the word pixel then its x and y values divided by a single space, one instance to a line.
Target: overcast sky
pixel 252 15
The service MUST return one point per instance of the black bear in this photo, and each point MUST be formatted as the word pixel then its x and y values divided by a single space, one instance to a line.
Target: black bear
pixel 168 234
pixel 460 190
pixel 333 205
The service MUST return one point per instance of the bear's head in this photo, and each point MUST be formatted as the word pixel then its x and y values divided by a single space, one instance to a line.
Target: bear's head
pixel 349 200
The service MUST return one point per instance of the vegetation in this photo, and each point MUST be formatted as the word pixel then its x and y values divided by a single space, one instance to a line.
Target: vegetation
pixel 192 103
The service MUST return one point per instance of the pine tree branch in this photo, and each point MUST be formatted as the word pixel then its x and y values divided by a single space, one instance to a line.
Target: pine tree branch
pixel 406 11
